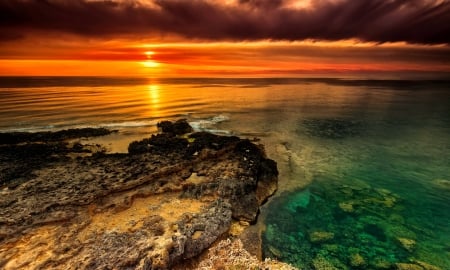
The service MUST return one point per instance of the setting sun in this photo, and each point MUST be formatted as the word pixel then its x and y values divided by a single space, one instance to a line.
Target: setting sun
pixel 150 64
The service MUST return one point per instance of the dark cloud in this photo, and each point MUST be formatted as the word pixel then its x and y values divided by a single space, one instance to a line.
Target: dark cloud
pixel 413 21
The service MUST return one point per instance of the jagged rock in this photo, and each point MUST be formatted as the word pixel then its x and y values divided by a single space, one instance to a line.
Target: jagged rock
pixel 166 201
pixel 47 136
pixel 180 127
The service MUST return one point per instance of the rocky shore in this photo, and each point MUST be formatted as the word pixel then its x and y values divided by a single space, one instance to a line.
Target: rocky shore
pixel 65 205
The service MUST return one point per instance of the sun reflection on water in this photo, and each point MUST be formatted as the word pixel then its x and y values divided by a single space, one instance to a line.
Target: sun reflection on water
pixel 154 97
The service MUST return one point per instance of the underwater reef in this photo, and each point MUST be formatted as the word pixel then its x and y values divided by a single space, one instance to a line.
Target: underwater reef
pixel 331 225
pixel 64 205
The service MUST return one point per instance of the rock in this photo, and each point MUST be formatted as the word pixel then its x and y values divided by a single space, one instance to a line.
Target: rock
pixel 427 266
pixel 47 136
pixel 408 266
pixel 320 236
pixel 321 263
pixel 332 128
pixel 406 243
pixel 228 254
pixel 159 144
pixel 331 248
pixel 442 184
pixel 236 228
pixel 180 127
pixel 356 260
pixel 380 263
pixel 153 208
pixel 275 252
pixel 346 207
pixel 252 241
pixel 389 202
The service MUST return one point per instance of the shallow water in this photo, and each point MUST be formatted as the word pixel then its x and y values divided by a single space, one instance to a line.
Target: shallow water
pixel 364 164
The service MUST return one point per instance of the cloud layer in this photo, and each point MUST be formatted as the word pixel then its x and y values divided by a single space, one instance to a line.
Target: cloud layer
pixel 413 21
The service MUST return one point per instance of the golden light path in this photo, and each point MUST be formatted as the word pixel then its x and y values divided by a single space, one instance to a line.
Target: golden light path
pixel 155 99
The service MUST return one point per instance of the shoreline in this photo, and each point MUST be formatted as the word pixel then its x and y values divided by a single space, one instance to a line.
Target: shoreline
pixel 180 189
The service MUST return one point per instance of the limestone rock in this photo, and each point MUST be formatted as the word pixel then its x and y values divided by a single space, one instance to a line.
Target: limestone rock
pixel 166 201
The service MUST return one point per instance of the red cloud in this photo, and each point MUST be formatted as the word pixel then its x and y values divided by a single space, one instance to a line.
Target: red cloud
pixel 413 21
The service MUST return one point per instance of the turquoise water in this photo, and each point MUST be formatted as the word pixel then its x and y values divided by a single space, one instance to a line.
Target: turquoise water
pixel 364 164
pixel 382 199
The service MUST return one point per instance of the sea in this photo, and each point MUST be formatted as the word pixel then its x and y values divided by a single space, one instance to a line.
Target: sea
pixel 364 163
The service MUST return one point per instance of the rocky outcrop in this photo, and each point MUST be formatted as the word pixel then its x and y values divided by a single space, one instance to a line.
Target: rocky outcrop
pixel 165 201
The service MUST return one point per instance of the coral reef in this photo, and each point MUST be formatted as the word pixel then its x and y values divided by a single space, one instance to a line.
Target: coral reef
pixel 166 201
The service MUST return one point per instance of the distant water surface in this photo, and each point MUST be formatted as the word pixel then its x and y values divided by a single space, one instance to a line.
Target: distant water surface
pixel 364 164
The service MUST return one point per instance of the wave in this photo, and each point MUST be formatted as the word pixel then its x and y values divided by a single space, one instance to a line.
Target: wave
pixel 130 124
pixel 209 123
pixel 206 124
pixel 114 125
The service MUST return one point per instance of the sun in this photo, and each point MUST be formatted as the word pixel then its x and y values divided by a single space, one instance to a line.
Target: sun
pixel 150 63
pixel 149 54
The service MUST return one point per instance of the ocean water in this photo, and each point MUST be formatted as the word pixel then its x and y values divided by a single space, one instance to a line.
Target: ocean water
pixel 364 163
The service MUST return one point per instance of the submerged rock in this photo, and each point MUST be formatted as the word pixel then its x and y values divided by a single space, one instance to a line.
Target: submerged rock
pixel 347 207
pixel 408 244
pixel 165 202
pixel 332 128
pixel 320 236
pixel 408 266
pixel 427 266
pixel 356 260
pixel 321 263
pixel 442 184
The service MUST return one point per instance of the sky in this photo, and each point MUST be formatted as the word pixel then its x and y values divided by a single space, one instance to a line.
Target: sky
pixel 243 38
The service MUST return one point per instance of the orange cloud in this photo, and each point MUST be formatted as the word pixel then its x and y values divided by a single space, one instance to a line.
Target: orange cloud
pixel 263 58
